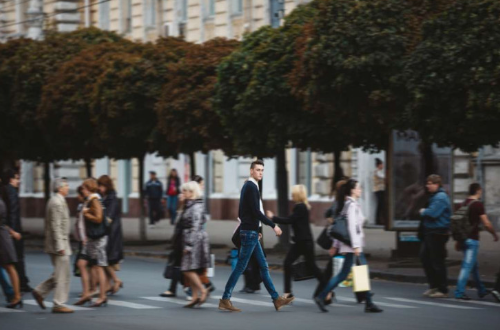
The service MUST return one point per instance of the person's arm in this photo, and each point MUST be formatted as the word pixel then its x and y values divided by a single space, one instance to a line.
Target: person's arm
pixel 294 217
pixel 56 217
pixel 435 209
pixel 352 224
pixel 189 236
pixel 10 219
pixel 94 212
pixel 253 199
pixel 488 226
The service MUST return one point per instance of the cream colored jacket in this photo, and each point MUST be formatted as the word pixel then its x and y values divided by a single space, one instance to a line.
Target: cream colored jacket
pixel 57 226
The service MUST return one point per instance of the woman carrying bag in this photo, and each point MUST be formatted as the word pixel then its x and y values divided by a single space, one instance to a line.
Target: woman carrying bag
pixel 349 208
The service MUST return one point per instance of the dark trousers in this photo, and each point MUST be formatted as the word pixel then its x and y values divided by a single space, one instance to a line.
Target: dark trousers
pixel 20 265
pixel 433 257
pixel 155 210
pixel 7 289
pixel 252 274
pixel 497 283
pixel 379 215
pixel 301 248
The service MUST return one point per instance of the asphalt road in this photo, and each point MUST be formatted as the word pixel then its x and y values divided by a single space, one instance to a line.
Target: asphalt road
pixel 138 306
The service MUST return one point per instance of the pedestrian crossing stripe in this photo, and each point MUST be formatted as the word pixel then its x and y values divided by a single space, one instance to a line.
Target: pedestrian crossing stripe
pixel 177 301
pixel 378 303
pixel 130 305
pixel 484 303
pixel 310 302
pixel 10 310
pixel 430 303
pixel 50 305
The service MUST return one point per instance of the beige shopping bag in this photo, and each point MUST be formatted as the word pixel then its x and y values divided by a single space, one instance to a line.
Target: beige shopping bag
pixel 361 278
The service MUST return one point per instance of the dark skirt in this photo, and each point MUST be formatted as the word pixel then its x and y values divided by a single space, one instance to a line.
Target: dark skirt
pixel 7 250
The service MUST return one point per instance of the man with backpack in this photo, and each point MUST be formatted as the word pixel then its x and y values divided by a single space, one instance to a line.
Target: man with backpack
pixel 435 234
pixel 465 231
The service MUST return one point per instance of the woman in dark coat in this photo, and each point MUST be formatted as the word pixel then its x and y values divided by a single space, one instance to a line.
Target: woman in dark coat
pixel 114 248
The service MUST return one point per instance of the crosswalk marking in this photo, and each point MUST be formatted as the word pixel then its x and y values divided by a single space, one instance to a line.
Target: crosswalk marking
pixel 130 305
pixel 484 303
pixel 378 303
pixel 176 301
pixel 247 301
pixel 10 310
pixel 50 305
pixel 310 302
pixel 430 303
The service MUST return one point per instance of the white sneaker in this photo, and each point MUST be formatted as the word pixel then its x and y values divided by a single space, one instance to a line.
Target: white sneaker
pixel 429 292
pixel 438 294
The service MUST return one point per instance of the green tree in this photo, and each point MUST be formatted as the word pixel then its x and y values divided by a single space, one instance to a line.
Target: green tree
pixel 453 77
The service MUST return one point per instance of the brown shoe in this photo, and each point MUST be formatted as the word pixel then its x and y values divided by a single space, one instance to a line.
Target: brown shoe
pixel 226 305
pixel 62 310
pixel 280 302
pixel 38 299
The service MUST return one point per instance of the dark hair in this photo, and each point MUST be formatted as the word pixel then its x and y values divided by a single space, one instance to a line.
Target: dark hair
pixel 90 184
pixel 256 162
pixel 378 162
pixel 79 191
pixel 106 182
pixel 344 191
pixel 474 188
pixel 8 175
pixel 435 179
pixel 171 171
pixel 198 178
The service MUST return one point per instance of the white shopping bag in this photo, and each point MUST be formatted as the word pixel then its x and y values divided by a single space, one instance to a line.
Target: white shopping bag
pixel 361 278
pixel 211 269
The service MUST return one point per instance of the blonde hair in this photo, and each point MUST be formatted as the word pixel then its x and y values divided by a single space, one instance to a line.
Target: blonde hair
pixel 193 187
pixel 300 193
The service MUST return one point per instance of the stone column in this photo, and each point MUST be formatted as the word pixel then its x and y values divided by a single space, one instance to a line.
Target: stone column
pixel 35 15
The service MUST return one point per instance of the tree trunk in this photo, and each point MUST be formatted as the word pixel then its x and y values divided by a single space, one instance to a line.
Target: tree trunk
pixel 142 216
pixel 192 165
pixel 283 204
pixel 46 181
pixel 428 159
pixel 88 167
pixel 338 171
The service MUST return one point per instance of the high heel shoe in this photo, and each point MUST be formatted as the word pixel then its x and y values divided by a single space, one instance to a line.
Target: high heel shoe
pixel 193 303
pixel 15 305
pixel 116 287
pixel 100 304
pixel 204 299
pixel 83 301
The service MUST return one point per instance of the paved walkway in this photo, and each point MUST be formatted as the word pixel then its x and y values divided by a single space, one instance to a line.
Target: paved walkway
pixel 379 243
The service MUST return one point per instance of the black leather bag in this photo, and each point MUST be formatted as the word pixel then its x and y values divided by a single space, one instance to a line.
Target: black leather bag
pixel 339 230
pixel 236 239
pixel 172 272
pixel 323 240
pixel 301 272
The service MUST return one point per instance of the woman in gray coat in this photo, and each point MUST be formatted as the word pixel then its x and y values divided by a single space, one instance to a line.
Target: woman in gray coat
pixel 196 254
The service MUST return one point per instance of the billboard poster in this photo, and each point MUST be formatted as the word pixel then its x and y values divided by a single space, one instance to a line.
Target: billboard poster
pixel 411 161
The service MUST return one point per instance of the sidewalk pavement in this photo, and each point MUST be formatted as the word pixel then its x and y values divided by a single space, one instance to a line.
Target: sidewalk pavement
pixel 379 244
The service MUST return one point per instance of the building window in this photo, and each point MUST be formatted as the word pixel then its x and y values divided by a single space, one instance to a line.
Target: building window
pixel 104 10
pixel 184 11
pixel 211 8
pixel 236 7
pixel 150 14
pixel 127 16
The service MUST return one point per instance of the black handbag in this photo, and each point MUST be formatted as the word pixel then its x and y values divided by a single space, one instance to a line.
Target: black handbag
pixel 172 272
pixel 323 240
pixel 339 230
pixel 236 239
pixel 301 272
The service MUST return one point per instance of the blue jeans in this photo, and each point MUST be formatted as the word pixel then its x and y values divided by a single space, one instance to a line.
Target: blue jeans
pixel 342 275
pixel 8 291
pixel 172 207
pixel 249 243
pixel 469 265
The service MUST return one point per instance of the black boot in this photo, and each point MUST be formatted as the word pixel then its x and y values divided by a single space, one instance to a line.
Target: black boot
pixel 372 308
pixel 321 304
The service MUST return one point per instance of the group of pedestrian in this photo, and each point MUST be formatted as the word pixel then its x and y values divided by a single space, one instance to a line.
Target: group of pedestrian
pixel 156 197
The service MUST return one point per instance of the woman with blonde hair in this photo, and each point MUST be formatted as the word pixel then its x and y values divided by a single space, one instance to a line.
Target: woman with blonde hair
pixel 303 238
pixel 195 245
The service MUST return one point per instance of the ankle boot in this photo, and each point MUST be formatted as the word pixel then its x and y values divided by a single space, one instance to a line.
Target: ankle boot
pixel 280 302
pixel 226 305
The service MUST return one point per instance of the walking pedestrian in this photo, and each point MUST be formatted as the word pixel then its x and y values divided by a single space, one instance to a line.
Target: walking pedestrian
pixel 114 247
pixel 95 248
pixel 57 230
pixel 8 259
pixel 303 239
pixel 435 232
pixel 348 206
pixel 11 198
pixel 173 184
pixel 251 214
pixel 154 194
pixel 379 190
pixel 476 216
pixel 195 245
pixel 7 289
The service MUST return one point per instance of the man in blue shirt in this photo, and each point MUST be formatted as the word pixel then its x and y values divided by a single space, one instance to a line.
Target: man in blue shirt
pixel 154 194
pixel 436 232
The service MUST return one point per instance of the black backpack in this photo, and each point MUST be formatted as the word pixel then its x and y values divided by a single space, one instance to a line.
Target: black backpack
pixel 460 223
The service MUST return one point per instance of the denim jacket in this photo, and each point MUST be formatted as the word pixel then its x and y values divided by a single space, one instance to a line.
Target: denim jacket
pixel 437 215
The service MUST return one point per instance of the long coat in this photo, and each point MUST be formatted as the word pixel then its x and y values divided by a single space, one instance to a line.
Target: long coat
pixel 114 248
pixel 194 237
pixel 57 226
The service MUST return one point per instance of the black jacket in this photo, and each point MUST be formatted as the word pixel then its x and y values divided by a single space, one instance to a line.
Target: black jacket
pixel 249 211
pixel 11 199
pixel 114 248
pixel 299 219
pixel 154 189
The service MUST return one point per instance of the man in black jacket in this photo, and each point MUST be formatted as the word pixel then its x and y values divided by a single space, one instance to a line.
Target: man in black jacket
pixel 11 198
pixel 154 193
pixel 251 214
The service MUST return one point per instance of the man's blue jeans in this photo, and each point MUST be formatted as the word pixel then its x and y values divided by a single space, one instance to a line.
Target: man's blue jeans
pixel 342 275
pixel 172 207
pixel 469 265
pixel 6 287
pixel 249 243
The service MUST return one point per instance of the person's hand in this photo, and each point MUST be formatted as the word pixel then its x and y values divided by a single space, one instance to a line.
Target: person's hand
pixel 186 251
pixel 278 231
pixel 269 214
pixel 84 242
pixel 15 235
pixel 357 252
pixel 61 252
pixel 330 220
pixel 421 211
pixel 495 238
pixel 181 198
pixel 260 236
pixel 333 251
pixel 85 209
